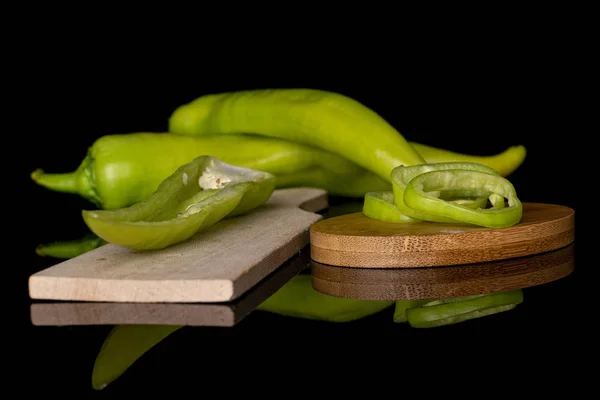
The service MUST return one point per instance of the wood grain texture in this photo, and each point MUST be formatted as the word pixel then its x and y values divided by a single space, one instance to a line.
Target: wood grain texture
pixel 216 265
pixel 443 282
pixel 213 314
pixel 354 240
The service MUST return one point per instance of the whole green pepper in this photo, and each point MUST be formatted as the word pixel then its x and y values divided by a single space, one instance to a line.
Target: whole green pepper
pixel 121 170
pixel 327 120
pixel 196 196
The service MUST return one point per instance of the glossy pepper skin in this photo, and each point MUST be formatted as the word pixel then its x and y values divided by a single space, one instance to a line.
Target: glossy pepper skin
pixel 123 169
pixel 327 120
pixel 504 163
pixel 196 196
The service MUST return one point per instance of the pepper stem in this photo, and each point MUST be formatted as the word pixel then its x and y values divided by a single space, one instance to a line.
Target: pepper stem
pixel 79 182
pixel 64 182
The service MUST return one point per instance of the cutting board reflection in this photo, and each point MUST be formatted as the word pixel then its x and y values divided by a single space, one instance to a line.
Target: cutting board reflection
pixel 443 282
pixel 216 265
pixel 354 240
pixel 213 314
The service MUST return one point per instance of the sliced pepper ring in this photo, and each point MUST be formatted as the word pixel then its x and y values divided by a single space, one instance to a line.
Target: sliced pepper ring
pixel 380 205
pixel 402 175
pixel 429 207
pixel 449 311
pixel 196 196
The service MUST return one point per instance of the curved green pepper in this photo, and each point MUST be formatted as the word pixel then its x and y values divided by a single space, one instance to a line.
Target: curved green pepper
pixel 121 170
pixel 196 196
pixel 298 299
pixel 504 163
pixel 440 312
pixel 327 120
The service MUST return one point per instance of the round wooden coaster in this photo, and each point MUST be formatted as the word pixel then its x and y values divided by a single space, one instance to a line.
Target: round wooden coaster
pixel 443 282
pixel 354 240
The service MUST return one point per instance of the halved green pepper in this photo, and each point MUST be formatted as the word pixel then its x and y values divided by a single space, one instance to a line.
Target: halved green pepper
pixel 196 196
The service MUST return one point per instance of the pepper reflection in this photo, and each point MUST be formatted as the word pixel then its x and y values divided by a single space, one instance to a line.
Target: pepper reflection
pixel 298 299
pixel 333 295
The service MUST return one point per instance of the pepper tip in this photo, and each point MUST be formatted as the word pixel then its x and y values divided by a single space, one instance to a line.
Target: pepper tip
pixel 37 174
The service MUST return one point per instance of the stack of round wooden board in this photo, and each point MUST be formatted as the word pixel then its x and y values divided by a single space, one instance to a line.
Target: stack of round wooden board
pixel 356 241
pixel 443 282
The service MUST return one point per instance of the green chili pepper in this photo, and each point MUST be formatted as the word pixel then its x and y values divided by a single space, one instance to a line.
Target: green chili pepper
pixel 450 311
pixel 70 248
pixel 505 162
pixel 123 346
pixel 196 196
pixel 327 120
pixel 121 170
pixel 298 299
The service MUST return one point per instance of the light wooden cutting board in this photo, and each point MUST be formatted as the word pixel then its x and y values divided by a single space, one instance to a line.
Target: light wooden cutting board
pixel 227 314
pixel 216 265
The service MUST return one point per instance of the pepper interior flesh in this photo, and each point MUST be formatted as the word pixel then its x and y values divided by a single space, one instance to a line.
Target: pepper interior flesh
pixel 196 196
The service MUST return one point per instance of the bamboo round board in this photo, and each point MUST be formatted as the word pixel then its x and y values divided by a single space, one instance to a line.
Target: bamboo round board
pixel 354 240
pixel 443 282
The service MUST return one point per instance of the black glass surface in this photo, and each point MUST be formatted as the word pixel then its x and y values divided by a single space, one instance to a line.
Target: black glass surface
pixel 470 112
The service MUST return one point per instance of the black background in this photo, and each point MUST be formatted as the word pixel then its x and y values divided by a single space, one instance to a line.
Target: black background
pixel 472 94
